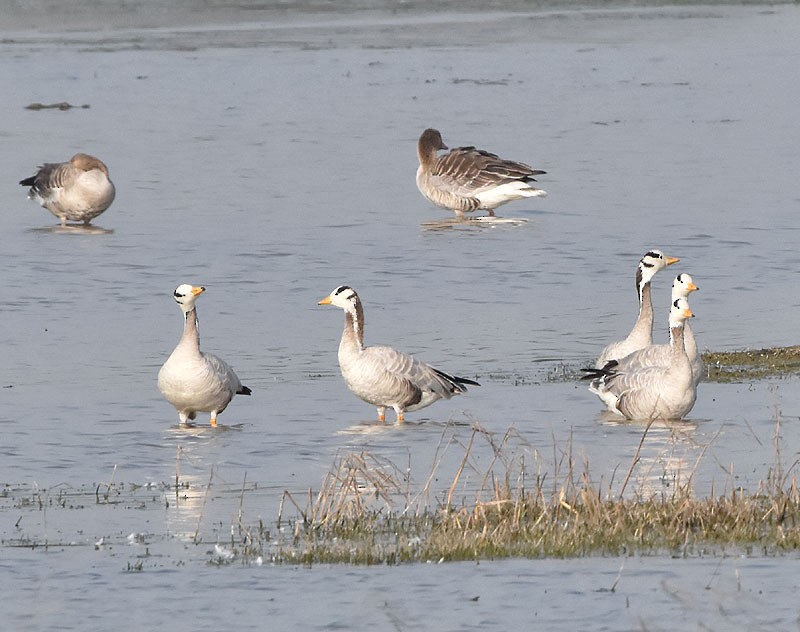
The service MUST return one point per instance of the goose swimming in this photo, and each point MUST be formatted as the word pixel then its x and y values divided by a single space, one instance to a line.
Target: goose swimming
pixel 383 376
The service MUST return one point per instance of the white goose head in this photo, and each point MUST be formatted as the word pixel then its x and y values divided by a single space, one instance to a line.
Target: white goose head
pixel 679 312
pixel 185 296
pixel 343 296
pixel 652 262
pixel 682 286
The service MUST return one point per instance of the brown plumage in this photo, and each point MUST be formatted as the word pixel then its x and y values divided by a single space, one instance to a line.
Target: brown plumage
pixel 467 179
pixel 78 190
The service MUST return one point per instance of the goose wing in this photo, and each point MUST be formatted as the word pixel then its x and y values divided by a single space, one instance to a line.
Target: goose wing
pixel 466 171
pixel 222 383
pixel 52 175
pixel 386 376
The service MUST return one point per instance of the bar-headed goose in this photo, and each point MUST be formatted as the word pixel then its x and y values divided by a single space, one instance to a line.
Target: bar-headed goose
pixel 191 380
pixel 467 179
pixel 642 333
pixel 666 391
pixel 383 376
pixel 652 355
pixel 78 190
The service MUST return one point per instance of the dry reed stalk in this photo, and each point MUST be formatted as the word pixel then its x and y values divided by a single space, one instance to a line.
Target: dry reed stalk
pixel 203 505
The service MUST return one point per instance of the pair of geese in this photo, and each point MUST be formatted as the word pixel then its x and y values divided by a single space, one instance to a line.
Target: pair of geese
pixel 464 180
pixel 194 381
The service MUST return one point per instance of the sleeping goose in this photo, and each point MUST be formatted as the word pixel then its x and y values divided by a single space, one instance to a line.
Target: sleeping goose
pixel 652 355
pixel 666 391
pixel 642 333
pixel 78 190
pixel 191 380
pixel 467 179
pixel 382 376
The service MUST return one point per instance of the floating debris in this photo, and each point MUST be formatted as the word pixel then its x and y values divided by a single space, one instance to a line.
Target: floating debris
pixel 63 105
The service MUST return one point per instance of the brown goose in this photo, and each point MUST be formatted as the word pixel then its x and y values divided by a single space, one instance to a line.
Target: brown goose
pixel 78 190
pixel 467 179
pixel 383 376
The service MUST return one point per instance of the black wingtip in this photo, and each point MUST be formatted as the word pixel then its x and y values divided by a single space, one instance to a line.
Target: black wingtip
pixel 463 380
pixel 28 182
pixel 244 391
pixel 606 370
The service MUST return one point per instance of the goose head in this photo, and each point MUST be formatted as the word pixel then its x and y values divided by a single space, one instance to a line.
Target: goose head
pixel 652 262
pixel 682 286
pixel 185 295
pixel 343 296
pixel 679 312
pixel 429 143
pixel 85 162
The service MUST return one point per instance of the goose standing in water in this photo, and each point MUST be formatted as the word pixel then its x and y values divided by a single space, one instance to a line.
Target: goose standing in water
pixel 653 355
pixel 667 391
pixel 78 190
pixel 642 333
pixel 383 376
pixel 467 179
pixel 191 380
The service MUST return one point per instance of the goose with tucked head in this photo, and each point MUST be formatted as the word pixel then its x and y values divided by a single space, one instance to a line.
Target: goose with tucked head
pixel 467 179
pixel 666 391
pixel 383 376
pixel 191 380
pixel 78 190
pixel 642 333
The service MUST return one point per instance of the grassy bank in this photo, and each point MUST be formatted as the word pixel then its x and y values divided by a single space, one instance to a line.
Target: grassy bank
pixel 367 512
pixel 733 366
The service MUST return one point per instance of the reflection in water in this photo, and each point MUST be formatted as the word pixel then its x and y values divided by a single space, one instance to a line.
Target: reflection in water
pixel 473 223
pixel 74 229
pixel 666 455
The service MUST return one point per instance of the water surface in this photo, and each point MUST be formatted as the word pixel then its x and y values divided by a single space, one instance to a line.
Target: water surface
pixel 272 158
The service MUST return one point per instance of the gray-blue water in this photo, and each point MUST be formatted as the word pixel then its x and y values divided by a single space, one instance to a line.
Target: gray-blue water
pixel 270 156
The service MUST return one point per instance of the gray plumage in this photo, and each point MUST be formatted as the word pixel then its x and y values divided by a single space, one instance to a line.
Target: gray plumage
pixel 467 179
pixel 383 376
pixel 191 380
pixel 665 391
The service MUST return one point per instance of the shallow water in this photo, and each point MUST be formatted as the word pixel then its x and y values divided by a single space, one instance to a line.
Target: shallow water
pixel 272 161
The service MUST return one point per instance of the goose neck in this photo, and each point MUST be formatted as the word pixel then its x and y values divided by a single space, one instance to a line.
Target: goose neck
pixel 191 331
pixel 353 333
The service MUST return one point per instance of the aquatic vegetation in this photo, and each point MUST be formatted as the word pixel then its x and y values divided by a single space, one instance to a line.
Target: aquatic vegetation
pixel 366 512
pixel 734 366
